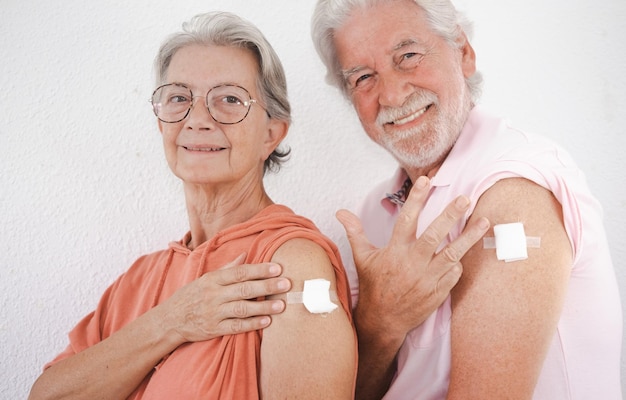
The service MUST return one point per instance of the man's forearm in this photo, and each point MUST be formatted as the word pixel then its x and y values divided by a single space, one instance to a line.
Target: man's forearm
pixel 377 360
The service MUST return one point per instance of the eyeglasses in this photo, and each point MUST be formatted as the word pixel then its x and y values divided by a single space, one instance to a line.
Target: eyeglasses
pixel 227 104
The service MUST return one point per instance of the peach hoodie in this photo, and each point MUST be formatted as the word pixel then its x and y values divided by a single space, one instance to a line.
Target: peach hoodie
pixel 225 367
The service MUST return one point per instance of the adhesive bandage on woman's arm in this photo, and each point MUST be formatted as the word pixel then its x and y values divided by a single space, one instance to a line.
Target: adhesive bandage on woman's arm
pixel 316 296
pixel 511 242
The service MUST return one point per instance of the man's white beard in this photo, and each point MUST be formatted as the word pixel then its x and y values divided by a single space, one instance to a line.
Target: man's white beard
pixel 425 145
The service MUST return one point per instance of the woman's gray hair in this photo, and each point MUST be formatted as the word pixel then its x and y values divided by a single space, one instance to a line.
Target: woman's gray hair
pixel 230 30
pixel 329 15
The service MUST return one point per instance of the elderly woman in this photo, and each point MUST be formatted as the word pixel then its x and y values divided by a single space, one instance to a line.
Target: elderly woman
pixel 177 325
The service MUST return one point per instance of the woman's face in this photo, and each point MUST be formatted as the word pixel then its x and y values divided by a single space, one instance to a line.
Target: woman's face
pixel 200 150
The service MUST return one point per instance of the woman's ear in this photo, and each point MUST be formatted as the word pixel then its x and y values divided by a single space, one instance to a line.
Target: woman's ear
pixel 276 132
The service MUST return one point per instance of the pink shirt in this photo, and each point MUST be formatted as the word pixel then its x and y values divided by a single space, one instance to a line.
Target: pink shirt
pixel 584 359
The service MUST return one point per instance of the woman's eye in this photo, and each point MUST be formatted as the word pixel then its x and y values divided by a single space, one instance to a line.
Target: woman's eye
pixel 231 100
pixel 179 99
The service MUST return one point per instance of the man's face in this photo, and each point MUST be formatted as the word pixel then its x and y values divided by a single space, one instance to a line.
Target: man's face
pixel 407 83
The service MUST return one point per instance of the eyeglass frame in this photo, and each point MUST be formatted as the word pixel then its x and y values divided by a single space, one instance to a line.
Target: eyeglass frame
pixel 247 103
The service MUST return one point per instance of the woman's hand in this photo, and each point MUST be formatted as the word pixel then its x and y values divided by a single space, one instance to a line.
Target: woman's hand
pixel 218 303
pixel 223 302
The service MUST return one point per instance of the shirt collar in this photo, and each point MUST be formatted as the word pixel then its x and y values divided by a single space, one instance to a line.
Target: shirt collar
pixel 479 130
pixel 399 197
pixel 397 191
pixel 400 183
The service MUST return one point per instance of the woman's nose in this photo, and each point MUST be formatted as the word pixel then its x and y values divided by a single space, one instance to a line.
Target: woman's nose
pixel 199 115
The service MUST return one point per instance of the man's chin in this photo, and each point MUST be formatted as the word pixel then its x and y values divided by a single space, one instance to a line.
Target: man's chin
pixel 417 158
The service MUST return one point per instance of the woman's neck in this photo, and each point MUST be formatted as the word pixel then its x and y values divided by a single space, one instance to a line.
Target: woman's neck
pixel 213 209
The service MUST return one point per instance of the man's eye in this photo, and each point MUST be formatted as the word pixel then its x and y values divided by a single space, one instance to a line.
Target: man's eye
pixel 409 60
pixel 361 79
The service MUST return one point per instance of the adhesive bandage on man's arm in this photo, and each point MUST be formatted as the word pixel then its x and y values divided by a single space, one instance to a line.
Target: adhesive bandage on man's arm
pixel 511 242
pixel 316 296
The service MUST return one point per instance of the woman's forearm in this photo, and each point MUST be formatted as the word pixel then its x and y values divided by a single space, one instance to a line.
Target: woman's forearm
pixel 111 369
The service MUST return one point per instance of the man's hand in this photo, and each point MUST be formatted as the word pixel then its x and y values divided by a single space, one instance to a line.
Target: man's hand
pixel 401 284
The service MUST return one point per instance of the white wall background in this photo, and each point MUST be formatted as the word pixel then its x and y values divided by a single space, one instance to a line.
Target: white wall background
pixel 84 188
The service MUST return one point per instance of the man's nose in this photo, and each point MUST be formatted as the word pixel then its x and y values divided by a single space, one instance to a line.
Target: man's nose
pixel 395 89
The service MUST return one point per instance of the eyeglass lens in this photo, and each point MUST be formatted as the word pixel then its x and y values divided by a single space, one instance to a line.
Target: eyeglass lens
pixel 227 104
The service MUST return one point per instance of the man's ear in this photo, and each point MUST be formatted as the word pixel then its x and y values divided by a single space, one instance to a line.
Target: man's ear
pixel 468 56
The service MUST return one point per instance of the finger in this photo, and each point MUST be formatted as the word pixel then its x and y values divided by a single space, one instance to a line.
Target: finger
pixel 235 272
pixel 359 243
pixel 439 228
pixel 256 289
pixel 244 316
pixel 235 326
pixel 242 309
pixel 472 233
pixel 406 224
pixel 448 280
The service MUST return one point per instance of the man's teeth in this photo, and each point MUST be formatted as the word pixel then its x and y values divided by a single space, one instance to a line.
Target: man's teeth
pixel 410 117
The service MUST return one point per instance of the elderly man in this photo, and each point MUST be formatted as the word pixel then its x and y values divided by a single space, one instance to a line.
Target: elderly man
pixel 536 313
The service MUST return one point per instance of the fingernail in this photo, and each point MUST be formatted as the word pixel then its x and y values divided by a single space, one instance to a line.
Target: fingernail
pixel 483 223
pixel 283 284
pixel 278 306
pixel 274 269
pixel 421 182
pixel 265 321
pixel 462 202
